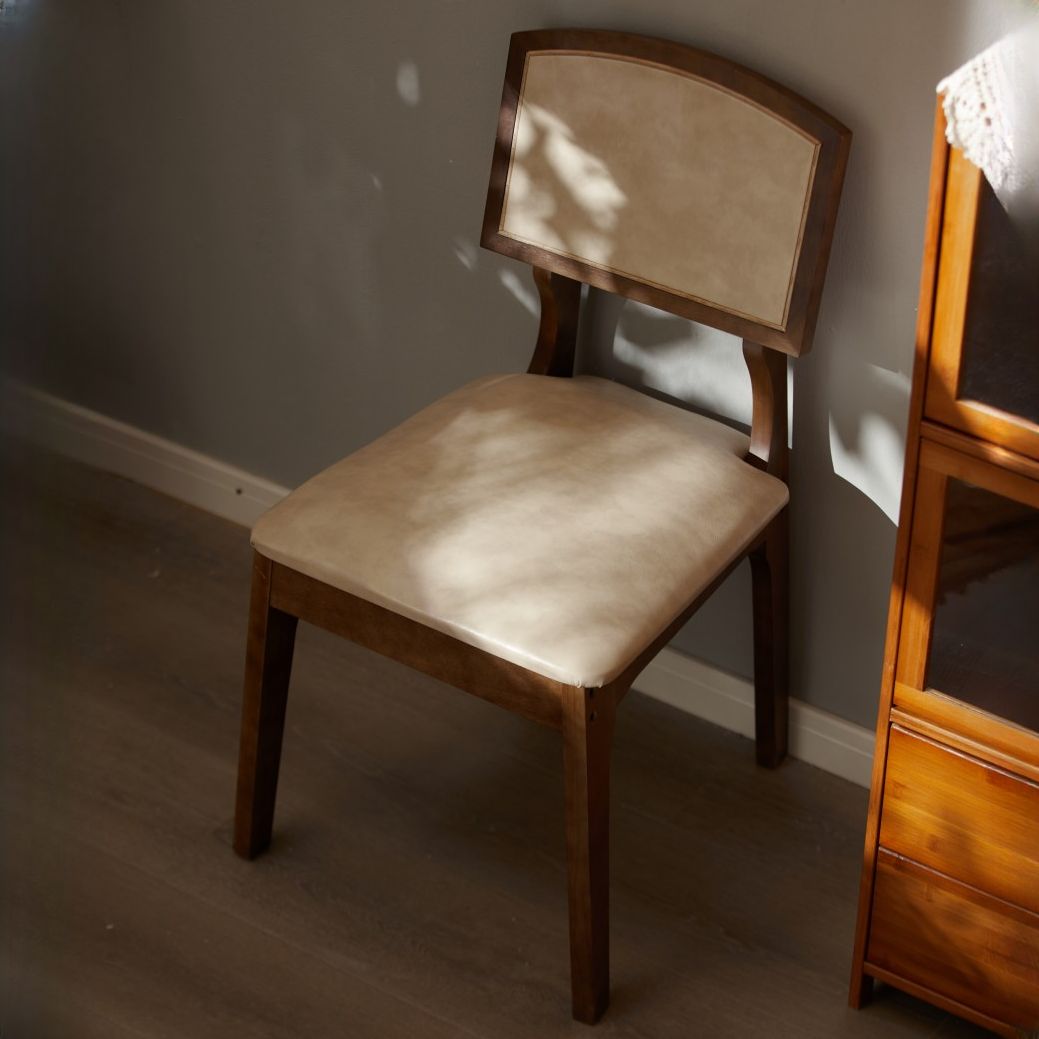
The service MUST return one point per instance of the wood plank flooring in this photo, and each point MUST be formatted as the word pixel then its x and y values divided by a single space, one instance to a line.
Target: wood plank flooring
pixel 416 884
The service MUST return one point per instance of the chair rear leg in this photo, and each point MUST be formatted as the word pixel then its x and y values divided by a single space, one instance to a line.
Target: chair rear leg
pixel 268 663
pixel 769 569
pixel 587 733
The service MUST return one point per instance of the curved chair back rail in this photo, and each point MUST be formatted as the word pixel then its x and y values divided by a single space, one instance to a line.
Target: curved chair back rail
pixel 668 175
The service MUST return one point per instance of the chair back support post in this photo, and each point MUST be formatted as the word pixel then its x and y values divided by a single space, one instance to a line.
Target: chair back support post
pixel 768 431
pixel 557 332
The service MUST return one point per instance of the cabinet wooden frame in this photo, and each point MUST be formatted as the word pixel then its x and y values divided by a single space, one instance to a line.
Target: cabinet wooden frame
pixel 937 465
pixel 947 439
pixel 963 186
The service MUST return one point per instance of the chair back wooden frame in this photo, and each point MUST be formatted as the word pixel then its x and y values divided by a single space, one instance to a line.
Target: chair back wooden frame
pixel 585 717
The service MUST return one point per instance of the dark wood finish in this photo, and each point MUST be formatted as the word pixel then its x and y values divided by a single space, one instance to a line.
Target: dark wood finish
pixel 969 946
pixel 834 143
pixel 414 891
pixel 543 700
pixel 588 716
pixel 557 332
pixel 268 663
pixel 951 860
pixel 768 430
pixel 961 816
pixel 432 652
pixel 770 559
pixel 769 573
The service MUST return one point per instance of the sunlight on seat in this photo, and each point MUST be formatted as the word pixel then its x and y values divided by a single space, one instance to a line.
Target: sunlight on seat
pixel 518 503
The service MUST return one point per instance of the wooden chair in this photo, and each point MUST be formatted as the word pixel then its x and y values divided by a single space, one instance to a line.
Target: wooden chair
pixel 536 538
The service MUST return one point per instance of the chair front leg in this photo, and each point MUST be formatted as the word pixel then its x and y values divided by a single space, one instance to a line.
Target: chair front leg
pixel 769 570
pixel 268 664
pixel 587 733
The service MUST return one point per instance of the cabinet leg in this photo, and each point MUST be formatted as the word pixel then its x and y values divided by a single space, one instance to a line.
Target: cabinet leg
pixel 861 991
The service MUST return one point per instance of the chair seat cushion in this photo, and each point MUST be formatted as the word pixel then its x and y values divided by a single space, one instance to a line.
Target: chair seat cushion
pixel 560 524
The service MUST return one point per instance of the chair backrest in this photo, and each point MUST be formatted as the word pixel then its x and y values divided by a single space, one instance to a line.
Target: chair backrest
pixel 667 175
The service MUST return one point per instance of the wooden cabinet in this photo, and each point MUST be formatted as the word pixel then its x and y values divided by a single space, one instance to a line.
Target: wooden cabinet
pixel 949 904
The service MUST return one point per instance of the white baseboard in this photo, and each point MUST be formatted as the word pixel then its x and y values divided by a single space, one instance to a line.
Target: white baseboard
pixel 119 448
pixel 816 737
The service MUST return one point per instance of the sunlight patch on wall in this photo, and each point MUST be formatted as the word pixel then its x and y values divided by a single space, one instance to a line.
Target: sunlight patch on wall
pixel 465 252
pixel 525 294
pixel 408 86
pixel 693 363
pixel 871 458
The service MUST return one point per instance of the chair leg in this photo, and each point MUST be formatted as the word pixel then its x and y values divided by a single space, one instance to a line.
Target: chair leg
pixel 268 663
pixel 769 570
pixel 587 733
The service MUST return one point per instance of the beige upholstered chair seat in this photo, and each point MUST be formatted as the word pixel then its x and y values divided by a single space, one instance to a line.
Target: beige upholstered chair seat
pixel 560 524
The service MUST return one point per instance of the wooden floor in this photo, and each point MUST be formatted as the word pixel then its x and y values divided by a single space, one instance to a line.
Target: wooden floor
pixel 416 883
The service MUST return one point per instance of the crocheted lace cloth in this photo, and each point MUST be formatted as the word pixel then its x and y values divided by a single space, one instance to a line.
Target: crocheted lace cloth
pixel 991 115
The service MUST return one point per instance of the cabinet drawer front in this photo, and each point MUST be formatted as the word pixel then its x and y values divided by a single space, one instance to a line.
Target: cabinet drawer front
pixel 963 817
pixel 955 941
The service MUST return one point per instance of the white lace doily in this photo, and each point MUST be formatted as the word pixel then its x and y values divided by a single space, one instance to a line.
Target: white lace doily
pixel 981 112
pixel 991 114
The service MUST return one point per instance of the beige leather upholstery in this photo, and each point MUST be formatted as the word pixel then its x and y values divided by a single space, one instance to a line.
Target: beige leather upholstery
pixel 661 176
pixel 558 523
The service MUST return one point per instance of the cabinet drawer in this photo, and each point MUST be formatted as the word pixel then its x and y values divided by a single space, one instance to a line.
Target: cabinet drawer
pixel 955 941
pixel 962 817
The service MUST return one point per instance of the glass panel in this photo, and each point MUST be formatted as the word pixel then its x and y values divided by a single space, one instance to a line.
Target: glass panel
pixel 1000 362
pixel 985 638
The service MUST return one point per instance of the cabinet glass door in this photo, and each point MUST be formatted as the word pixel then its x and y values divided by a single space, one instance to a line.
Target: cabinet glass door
pixel 984 375
pixel 971 621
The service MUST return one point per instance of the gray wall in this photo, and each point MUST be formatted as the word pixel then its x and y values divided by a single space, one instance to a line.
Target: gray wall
pixel 251 228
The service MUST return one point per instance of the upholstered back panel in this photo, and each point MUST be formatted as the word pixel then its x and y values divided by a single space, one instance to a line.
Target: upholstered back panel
pixel 631 171
pixel 659 176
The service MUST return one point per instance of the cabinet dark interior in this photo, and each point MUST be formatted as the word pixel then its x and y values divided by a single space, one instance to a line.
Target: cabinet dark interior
pixel 1000 365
